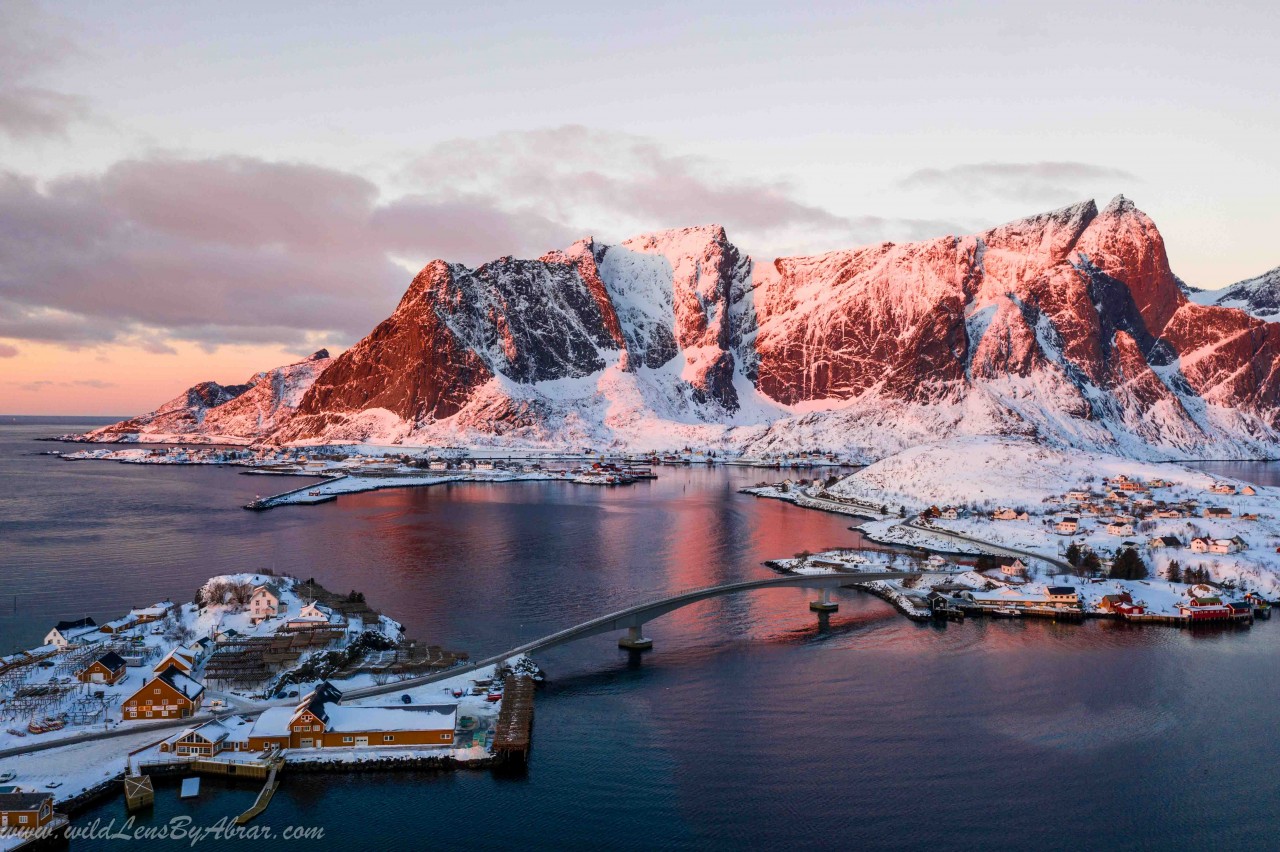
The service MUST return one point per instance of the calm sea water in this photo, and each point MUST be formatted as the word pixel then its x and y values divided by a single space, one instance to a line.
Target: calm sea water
pixel 747 726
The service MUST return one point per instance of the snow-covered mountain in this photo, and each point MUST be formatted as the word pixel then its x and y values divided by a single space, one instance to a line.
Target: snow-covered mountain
pixel 1257 296
pixel 218 414
pixel 1067 327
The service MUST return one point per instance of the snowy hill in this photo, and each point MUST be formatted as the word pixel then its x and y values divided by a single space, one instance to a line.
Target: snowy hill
pixel 1067 327
pixel 1259 296
pixel 224 414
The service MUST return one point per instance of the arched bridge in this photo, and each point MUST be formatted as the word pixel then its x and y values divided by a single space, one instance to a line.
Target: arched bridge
pixel 633 618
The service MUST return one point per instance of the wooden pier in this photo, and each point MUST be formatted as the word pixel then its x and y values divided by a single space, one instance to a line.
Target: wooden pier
pixel 264 795
pixel 514 728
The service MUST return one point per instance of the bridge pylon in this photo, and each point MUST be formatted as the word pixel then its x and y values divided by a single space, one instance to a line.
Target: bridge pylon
pixel 635 640
pixel 824 603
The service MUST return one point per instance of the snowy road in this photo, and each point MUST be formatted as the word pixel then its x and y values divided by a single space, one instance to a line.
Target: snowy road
pixel 994 548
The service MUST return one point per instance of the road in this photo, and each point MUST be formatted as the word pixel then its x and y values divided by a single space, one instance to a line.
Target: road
pixel 992 546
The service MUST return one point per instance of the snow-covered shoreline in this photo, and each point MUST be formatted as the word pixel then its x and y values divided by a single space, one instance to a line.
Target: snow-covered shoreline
pixel 1014 499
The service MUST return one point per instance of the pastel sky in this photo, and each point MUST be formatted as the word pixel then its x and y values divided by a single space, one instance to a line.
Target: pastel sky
pixel 201 190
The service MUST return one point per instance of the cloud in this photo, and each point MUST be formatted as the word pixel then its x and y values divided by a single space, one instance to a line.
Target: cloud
pixel 7 351
pixel 1032 183
pixel 44 384
pixel 31 43
pixel 223 250
pixel 615 185
pixel 241 250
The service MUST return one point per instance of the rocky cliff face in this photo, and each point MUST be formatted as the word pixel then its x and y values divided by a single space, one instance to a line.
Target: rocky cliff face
pixel 1068 326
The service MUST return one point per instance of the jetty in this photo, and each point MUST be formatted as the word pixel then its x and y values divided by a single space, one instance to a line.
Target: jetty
pixel 514 727
pixel 264 795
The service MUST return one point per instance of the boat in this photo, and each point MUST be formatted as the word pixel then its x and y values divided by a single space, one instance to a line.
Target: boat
pixel 494 696
pixel 457 693
pixel 15 732
pixel 1005 612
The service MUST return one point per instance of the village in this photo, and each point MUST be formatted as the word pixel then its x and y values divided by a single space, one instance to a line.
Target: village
pixel 259 673
pixel 1129 540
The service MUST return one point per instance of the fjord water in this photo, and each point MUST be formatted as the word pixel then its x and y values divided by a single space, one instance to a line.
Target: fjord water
pixel 747 726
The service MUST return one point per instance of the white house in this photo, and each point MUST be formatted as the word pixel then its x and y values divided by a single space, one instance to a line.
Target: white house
pixel 265 602
pixel 1119 528
pixel 66 633
pixel 1067 526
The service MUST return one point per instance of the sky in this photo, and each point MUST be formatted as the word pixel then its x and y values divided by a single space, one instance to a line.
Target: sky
pixel 204 190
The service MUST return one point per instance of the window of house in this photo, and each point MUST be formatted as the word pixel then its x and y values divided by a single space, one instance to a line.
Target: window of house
pixel 315 727
pixel 388 738
pixel 348 739
pixel 22 818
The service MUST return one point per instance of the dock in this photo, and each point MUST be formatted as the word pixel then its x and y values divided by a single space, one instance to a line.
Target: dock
pixel 264 795
pixel 514 728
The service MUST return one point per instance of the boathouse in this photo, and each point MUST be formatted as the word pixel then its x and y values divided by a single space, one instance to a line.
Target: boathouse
pixel 319 721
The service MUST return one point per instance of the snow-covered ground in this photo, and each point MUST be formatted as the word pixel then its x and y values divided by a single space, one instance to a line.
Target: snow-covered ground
pixel 978 476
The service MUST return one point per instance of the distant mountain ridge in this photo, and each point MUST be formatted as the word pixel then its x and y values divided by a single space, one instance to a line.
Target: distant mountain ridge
pixel 1259 297
pixel 1068 327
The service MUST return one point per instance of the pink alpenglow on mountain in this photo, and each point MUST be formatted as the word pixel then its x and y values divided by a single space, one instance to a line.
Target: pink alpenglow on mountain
pixel 1068 327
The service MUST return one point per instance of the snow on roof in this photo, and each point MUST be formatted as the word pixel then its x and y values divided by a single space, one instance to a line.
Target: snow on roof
pixel 274 722
pixel 156 609
pixel 425 717
pixel 175 678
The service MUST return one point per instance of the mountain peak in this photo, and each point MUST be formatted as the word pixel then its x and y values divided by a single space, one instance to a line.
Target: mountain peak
pixel 1120 206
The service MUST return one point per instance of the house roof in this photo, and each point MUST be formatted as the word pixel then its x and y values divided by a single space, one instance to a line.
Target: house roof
pixel 273 588
pixel 156 609
pixel 319 700
pixel 1060 590
pixel 23 801
pixel 274 722
pixel 430 717
pixel 113 661
pixel 173 676
pixel 79 624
